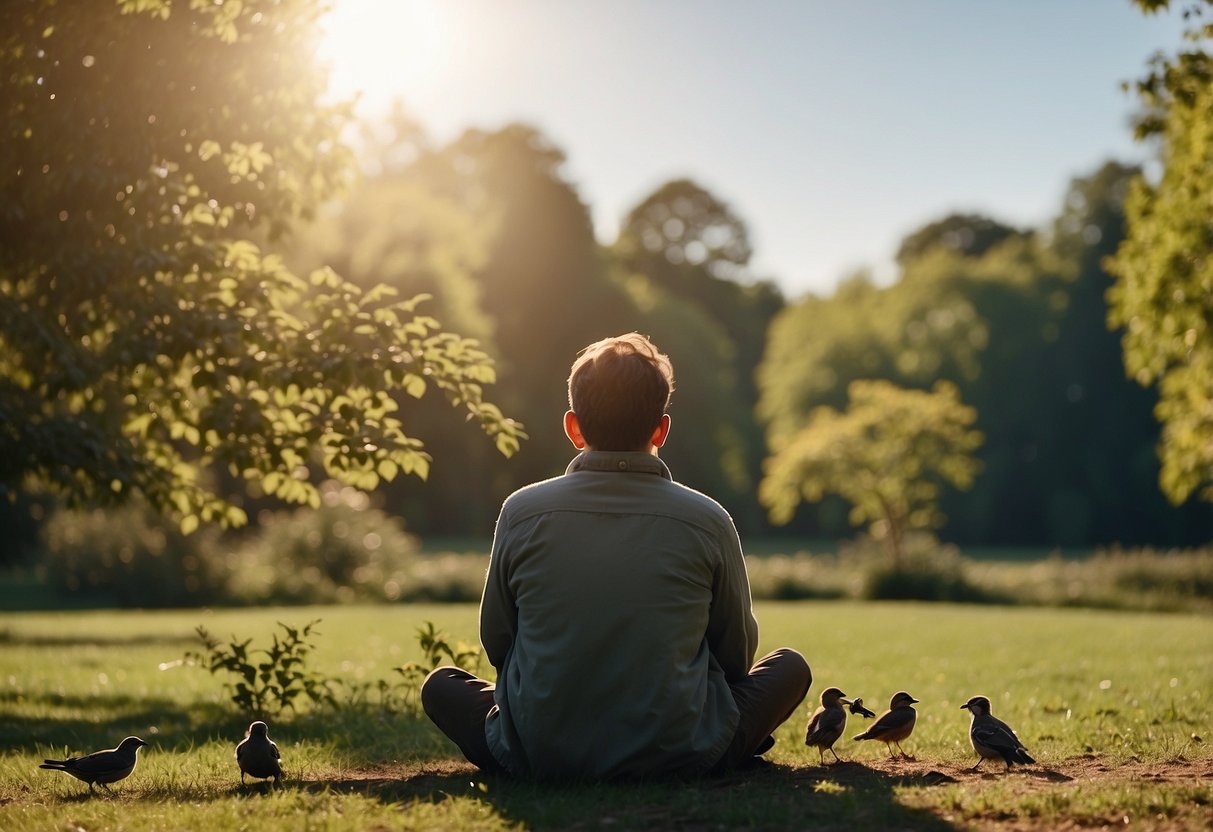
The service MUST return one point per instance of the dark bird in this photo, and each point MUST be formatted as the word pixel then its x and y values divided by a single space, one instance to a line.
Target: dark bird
pixel 104 767
pixel 858 709
pixel 827 723
pixel 257 755
pixel 895 724
pixel 992 738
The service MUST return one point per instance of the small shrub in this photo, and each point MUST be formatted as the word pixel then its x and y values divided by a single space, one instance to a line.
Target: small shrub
pixel 437 650
pixel 1175 574
pixel 266 687
pixel 1137 579
pixel 341 552
pixel 924 582
pixel 929 571
pixel 795 578
pixel 129 557
pixel 446 578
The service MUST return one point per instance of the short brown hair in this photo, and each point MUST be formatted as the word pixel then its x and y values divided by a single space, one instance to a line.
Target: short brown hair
pixel 619 388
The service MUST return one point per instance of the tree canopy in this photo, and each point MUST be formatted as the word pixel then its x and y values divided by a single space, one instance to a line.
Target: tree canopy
pixel 1021 330
pixel 969 234
pixel 886 455
pixel 1163 295
pixel 151 153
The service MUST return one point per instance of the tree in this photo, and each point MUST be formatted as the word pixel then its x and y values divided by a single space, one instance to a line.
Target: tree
pixel 694 250
pixel 971 235
pixel 144 336
pixel 543 282
pixel 684 224
pixel 886 454
pixel 1163 295
pixel 1100 446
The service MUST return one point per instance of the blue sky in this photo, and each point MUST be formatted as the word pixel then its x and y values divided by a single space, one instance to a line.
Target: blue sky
pixel 832 128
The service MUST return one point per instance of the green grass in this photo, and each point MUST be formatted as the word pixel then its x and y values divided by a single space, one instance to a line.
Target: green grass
pixel 1116 707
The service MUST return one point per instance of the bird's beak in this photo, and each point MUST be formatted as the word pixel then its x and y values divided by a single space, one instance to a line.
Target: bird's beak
pixel 846 701
pixel 964 706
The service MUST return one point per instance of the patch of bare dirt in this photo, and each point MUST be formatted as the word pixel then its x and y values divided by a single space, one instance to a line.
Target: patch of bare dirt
pixel 1088 768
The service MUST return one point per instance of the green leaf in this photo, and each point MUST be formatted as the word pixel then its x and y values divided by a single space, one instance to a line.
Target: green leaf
pixel 414 385
pixel 388 470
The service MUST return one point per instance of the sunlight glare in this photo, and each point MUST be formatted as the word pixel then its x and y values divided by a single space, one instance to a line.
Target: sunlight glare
pixel 381 50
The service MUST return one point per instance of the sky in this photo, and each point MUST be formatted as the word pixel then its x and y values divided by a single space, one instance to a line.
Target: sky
pixel 832 129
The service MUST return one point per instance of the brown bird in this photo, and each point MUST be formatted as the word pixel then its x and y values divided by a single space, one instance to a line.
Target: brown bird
pixel 104 767
pixel 992 738
pixel 827 723
pixel 858 709
pixel 895 724
pixel 257 755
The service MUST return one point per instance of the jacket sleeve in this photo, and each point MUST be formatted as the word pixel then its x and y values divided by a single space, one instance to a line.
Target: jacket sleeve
pixel 732 629
pixel 498 612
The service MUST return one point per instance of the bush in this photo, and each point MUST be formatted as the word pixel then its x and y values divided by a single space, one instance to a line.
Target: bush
pixel 343 551
pixel 265 686
pixel 1160 575
pixel 925 582
pixel 129 557
pixel 798 577
pixel 930 571
pixel 446 578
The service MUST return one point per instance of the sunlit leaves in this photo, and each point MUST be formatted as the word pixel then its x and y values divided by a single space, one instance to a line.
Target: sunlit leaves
pixel 208 149
pixel 1163 296
pixel 924 327
pixel 145 340
pixel 887 454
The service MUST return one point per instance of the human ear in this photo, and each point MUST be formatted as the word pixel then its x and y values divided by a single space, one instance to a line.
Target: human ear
pixel 572 429
pixel 661 432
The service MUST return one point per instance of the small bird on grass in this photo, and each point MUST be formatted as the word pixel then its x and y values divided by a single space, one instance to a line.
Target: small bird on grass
pixel 257 755
pixel 104 767
pixel 858 709
pixel 827 723
pixel 895 724
pixel 992 738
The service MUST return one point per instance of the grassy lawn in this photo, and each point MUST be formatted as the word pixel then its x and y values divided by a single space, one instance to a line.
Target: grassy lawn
pixel 1116 706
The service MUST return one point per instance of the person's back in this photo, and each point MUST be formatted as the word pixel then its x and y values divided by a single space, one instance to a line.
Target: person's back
pixel 617 575
pixel 616 608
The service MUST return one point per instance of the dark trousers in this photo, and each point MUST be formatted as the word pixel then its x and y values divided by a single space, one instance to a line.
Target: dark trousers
pixel 458 703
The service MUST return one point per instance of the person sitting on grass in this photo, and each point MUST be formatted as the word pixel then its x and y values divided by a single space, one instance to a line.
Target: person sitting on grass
pixel 617 609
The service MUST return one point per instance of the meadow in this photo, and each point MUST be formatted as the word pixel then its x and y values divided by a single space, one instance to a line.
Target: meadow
pixel 1115 706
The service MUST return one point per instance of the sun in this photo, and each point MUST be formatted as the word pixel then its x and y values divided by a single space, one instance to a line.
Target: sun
pixel 381 50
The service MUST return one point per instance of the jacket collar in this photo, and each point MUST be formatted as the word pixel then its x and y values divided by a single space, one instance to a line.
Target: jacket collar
pixel 636 462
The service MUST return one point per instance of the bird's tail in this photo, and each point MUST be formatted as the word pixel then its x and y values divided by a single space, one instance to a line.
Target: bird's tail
pixel 54 765
pixel 863 736
pixel 1023 756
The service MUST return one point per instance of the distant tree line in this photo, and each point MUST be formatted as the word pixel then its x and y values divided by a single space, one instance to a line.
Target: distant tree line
pixel 1015 318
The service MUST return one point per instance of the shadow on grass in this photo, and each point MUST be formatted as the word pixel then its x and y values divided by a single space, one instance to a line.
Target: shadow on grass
pixel 88 723
pixel 360 735
pixel 846 796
